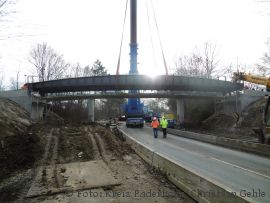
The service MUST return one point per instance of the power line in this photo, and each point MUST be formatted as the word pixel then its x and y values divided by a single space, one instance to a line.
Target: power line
pixel 119 57
pixel 164 60
pixel 151 38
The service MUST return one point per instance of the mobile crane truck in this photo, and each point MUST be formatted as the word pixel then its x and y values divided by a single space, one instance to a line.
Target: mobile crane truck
pixel 264 130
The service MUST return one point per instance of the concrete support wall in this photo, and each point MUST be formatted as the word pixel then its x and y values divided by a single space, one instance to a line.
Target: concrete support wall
pixel 91 109
pixel 180 111
pixel 37 111
pixel 241 101
pixel 231 105
pixel 21 97
pixel 251 96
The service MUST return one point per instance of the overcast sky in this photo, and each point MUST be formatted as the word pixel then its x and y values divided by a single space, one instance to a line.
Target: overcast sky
pixel 86 30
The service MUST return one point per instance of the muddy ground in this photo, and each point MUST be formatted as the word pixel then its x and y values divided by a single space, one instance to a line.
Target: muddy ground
pixel 139 182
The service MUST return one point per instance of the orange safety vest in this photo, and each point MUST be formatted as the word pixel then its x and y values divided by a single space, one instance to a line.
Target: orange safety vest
pixel 155 124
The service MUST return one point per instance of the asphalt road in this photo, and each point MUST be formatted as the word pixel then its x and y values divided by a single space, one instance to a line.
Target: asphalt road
pixel 234 170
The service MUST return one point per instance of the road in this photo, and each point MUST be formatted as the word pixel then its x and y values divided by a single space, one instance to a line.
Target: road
pixel 240 172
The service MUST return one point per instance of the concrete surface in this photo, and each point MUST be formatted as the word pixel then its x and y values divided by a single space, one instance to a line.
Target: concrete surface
pixel 71 177
pixel 246 175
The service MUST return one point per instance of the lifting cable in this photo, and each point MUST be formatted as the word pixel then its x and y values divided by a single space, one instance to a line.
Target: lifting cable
pixel 164 61
pixel 119 57
pixel 149 26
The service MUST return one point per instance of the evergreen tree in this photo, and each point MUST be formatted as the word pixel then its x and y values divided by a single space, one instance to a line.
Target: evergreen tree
pixel 98 69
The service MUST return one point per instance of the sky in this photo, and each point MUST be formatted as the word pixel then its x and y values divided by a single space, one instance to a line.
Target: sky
pixel 86 30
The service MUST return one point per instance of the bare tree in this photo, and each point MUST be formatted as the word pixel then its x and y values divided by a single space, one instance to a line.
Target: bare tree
pixel 266 5
pixel 2 87
pixel 3 4
pixel 264 67
pixel 189 66
pixel 198 63
pixel 5 8
pixel 209 58
pixel 13 84
pixel 263 70
pixel 87 71
pixel 49 64
pixel 76 71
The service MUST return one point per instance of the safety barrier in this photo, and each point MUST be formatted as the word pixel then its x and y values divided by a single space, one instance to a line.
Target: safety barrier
pixel 199 188
pixel 250 147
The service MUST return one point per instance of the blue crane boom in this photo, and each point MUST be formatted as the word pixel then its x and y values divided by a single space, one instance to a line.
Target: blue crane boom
pixel 134 108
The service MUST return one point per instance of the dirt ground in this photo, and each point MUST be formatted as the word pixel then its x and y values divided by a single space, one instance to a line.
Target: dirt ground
pixel 19 145
pixel 139 182
pixel 229 126
pixel 35 159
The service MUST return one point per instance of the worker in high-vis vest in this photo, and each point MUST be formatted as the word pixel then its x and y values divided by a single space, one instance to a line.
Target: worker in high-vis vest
pixel 164 125
pixel 155 125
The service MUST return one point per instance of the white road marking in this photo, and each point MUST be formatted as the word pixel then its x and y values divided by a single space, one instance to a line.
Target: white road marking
pixel 208 156
pixel 236 166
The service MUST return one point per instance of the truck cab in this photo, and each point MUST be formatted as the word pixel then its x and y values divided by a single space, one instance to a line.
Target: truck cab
pixel 134 113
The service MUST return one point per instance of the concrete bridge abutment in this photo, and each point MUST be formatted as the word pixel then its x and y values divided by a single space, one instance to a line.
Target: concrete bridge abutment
pixel 91 109
pixel 239 102
pixel 180 109
pixel 37 110
pixel 32 105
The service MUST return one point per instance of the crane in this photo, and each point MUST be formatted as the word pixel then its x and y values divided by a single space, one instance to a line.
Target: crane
pixel 134 108
pixel 237 76
pixel 264 130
